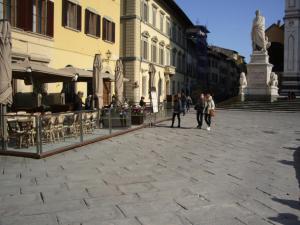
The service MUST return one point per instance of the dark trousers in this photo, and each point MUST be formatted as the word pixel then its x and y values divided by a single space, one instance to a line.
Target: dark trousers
pixel 173 119
pixel 208 119
pixel 200 118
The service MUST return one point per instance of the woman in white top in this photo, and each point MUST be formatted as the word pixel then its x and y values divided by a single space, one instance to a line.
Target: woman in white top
pixel 209 110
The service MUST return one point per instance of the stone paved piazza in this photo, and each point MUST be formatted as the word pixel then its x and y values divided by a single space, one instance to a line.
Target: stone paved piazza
pixel 245 171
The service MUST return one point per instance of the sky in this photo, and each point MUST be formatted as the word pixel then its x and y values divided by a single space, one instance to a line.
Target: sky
pixel 230 21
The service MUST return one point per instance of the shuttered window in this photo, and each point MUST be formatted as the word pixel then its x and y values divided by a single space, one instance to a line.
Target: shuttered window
pixel 154 52
pixel 42 17
pixel 108 32
pixel 144 48
pixel 8 10
pixel 92 23
pixel 71 15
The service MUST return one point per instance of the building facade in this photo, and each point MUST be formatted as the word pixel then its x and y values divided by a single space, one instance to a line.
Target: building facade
pixel 154 32
pixel 54 34
pixel 291 75
pixel 224 69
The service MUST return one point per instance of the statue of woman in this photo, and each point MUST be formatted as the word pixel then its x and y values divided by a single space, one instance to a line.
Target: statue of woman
pixel 259 39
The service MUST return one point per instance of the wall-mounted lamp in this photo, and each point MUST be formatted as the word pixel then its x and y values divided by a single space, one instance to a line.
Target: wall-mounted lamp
pixel 136 85
pixel 108 55
pixel 28 70
pixel 75 78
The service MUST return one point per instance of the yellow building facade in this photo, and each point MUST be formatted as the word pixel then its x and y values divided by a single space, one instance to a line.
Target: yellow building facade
pixel 153 32
pixel 60 33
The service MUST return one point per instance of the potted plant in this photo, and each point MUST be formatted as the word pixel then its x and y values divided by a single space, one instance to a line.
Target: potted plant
pixel 137 115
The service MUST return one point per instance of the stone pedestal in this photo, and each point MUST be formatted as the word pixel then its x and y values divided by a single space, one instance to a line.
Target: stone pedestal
pixel 259 70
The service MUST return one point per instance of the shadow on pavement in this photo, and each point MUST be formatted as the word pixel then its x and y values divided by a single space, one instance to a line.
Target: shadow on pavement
pixel 175 127
pixel 295 163
pixel 286 219
pixel 291 203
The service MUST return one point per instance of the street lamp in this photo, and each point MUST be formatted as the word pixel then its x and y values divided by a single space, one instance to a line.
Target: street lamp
pixel 108 55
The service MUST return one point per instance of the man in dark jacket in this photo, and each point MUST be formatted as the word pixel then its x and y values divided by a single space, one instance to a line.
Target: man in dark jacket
pixel 177 109
pixel 78 101
pixel 199 107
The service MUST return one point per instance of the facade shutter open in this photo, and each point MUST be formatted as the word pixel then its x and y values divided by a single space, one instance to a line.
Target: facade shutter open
pixel 104 36
pixel 79 17
pixel 86 22
pixel 113 32
pixel 24 14
pixel 64 12
pixel 98 28
pixel 50 18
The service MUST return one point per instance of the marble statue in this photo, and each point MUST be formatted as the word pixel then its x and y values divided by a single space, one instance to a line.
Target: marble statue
pixel 273 80
pixel 243 80
pixel 259 40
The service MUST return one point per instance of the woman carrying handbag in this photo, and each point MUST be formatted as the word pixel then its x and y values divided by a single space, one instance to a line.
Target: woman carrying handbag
pixel 209 110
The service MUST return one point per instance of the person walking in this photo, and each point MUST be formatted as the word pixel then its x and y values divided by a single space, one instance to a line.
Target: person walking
pixel 199 107
pixel 189 102
pixel 183 103
pixel 209 110
pixel 177 108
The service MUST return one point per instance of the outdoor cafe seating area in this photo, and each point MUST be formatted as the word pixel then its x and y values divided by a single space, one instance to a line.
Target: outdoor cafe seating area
pixel 23 128
pixel 41 132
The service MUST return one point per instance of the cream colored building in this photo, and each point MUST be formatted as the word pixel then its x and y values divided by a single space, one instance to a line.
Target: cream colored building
pixel 59 33
pixel 153 31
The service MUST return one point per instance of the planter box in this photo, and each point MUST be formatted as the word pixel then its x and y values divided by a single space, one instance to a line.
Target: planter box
pixel 137 119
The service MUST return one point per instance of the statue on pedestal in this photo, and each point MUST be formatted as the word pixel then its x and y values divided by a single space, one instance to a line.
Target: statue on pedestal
pixel 259 40
pixel 273 80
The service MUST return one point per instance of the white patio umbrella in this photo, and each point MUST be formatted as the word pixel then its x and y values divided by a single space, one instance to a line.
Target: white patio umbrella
pixel 5 72
pixel 97 81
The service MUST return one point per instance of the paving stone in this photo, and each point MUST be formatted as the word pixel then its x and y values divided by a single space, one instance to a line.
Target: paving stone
pixel 241 172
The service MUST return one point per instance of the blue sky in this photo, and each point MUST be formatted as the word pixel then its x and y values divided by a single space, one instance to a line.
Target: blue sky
pixel 230 21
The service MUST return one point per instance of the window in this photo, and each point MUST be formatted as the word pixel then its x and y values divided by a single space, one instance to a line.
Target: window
pixel 168 57
pixel 29 15
pixel 178 87
pixel 144 48
pixel 8 10
pixel 183 63
pixel 174 57
pixel 154 15
pixel 174 32
pixel 71 15
pixel 144 86
pixel 162 22
pixel 179 36
pixel 153 52
pixel 173 87
pixel 145 11
pixel 179 62
pixel 108 30
pixel 92 23
pixel 161 55
pixel 168 28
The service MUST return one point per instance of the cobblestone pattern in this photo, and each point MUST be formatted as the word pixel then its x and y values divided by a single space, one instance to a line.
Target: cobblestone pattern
pixel 245 171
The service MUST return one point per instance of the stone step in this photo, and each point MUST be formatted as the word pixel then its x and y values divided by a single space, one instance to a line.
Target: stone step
pixel 280 105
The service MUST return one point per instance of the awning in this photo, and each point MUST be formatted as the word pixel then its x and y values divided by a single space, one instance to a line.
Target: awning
pixel 25 69
pixel 77 71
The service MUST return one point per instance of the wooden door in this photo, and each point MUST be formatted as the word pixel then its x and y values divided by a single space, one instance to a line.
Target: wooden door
pixel 106 92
